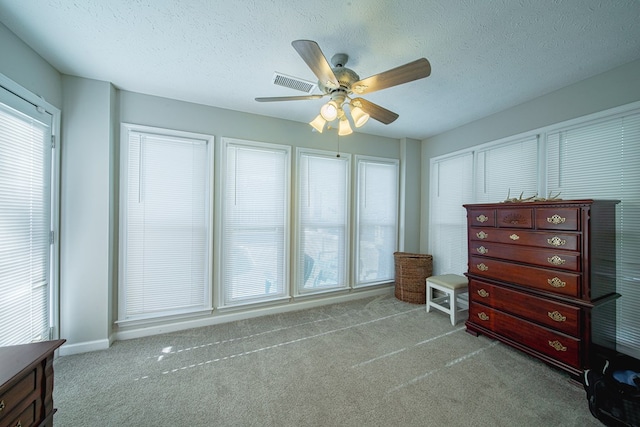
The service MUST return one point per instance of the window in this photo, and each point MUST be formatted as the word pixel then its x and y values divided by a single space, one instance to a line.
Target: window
pixel 165 223
pixel 600 160
pixel 323 218
pixel 376 220
pixel 507 170
pixel 255 222
pixel 28 171
pixel 451 187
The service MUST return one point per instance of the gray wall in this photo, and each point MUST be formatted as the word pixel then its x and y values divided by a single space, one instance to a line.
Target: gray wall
pixel 614 88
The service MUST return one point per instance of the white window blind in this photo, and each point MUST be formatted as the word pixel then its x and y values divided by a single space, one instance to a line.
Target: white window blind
pixel 255 222
pixel 451 187
pixel 25 221
pixel 376 220
pixel 507 170
pixel 165 221
pixel 323 218
pixel 600 161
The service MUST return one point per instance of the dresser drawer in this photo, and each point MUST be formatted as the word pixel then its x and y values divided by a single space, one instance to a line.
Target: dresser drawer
pixel 559 282
pixel 540 239
pixel 553 344
pixel 542 257
pixel 11 398
pixel 562 317
pixel 514 218
pixel 557 218
pixel 483 217
pixel 25 418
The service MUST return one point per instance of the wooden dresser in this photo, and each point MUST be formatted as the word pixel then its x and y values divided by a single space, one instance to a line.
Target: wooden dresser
pixel 26 384
pixel 542 278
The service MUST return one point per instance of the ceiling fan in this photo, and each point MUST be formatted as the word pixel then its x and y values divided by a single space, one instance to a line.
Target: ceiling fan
pixel 341 84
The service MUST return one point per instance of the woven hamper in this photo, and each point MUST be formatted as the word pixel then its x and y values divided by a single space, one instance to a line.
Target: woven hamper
pixel 412 271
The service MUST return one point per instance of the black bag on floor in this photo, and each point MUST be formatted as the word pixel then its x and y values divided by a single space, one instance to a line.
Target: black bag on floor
pixel 614 392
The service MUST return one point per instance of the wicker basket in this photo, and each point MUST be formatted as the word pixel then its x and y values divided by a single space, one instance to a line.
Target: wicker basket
pixel 412 271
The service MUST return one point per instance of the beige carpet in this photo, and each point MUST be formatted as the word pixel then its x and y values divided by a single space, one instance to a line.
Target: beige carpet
pixel 371 362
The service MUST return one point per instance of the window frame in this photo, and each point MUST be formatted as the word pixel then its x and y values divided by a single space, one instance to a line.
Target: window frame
pixel 362 160
pixel 14 89
pixel 207 307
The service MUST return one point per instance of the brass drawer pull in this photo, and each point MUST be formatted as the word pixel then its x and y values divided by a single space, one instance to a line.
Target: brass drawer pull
pixel 2 406
pixel 556 283
pixel 514 237
pixel 557 316
pixel 556 219
pixel 483 316
pixel 556 260
pixel 557 345
pixel 19 423
pixel 483 293
pixel 556 241
pixel 482 267
pixel 482 218
pixel 482 235
pixel 482 250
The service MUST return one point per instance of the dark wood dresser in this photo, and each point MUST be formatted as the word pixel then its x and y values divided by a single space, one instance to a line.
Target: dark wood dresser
pixel 542 278
pixel 26 384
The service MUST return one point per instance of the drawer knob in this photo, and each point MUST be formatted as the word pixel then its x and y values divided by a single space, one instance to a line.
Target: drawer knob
pixel 556 283
pixel 557 316
pixel 482 235
pixel 514 237
pixel 556 219
pixel 482 267
pixel 483 316
pixel 557 345
pixel 556 260
pixel 556 241
pixel 482 218
pixel 2 406
pixel 482 250
pixel 483 293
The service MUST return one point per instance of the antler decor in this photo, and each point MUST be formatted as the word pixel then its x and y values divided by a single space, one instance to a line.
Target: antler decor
pixel 533 198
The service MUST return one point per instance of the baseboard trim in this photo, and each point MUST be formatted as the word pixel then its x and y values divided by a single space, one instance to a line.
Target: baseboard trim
pixel 232 316
pixel 84 347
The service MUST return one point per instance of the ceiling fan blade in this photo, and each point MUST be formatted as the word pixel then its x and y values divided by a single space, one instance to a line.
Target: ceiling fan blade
pixel 288 98
pixel 315 59
pixel 375 111
pixel 415 70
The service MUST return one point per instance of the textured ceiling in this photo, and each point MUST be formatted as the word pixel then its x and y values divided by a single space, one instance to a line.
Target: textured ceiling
pixel 485 55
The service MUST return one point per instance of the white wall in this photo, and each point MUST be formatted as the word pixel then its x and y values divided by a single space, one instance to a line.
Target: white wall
pixel 614 88
pixel 86 211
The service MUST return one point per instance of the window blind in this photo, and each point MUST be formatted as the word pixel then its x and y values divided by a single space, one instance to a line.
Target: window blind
pixel 508 170
pixel 164 258
pixel 255 222
pixel 376 220
pixel 451 187
pixel 600 161
pixel 323 218
pixel 25 221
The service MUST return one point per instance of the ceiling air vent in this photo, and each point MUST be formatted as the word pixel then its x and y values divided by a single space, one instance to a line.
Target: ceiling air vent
pixel 293 82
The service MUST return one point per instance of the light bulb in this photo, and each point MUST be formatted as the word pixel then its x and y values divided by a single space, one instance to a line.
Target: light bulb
pixel 359 116
pixel 318 123
pixel 344 128
pixel 329 111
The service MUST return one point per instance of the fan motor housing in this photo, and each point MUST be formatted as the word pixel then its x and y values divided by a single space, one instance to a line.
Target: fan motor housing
pixel 345 76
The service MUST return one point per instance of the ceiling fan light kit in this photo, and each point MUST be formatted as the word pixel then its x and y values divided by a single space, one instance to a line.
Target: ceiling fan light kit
pixel 339 83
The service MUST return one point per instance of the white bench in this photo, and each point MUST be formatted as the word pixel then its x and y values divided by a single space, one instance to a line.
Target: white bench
pixel 452 286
